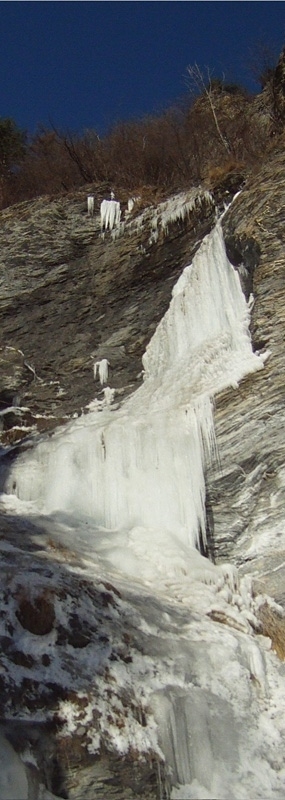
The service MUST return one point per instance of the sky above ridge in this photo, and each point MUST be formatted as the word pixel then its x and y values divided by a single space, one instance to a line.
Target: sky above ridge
pixel 80 65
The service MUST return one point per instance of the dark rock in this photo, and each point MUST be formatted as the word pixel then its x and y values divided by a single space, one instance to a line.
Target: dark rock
pixel 244 255
pixel 22 659
pixel 37 615
pixel 246 493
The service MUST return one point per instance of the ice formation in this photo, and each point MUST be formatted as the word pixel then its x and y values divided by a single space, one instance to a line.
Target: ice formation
pixel 110 212
pixel 131 203
pixel 90 205
pixel 150 469
pixel 172 211
pixel 178 208
pixel 102 367
pixel 127 488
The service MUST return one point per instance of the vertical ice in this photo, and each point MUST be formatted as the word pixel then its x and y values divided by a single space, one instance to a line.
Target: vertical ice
pixel 110 211
pixel 103 370
pixel 90 205
pixel 143 465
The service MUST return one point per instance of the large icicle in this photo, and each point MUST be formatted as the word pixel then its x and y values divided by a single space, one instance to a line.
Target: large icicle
pixel 110 212
pixel 143 465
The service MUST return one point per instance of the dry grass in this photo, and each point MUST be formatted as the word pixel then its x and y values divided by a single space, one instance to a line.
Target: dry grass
pixel 164 153
pixel 217 175
pixel 273 625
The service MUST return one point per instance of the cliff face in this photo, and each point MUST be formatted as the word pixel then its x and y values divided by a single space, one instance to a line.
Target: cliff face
pixel 70 297
pixel 247 491
pixel 90 656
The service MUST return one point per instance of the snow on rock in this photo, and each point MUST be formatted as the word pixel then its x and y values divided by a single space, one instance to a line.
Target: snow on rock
pixel 206 695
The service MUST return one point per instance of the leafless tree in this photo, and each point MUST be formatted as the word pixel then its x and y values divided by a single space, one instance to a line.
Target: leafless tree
pixel 197 80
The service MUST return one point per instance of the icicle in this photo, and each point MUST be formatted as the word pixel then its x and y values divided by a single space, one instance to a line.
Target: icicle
pixel 90 205
pixel 110 211
pixel 103 370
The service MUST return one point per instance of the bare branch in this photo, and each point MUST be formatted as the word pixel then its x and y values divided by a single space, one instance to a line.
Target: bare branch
pixel 198 81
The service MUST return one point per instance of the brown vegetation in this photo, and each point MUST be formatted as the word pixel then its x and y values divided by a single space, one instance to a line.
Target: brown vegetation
pixel 273 625
pixel 219 130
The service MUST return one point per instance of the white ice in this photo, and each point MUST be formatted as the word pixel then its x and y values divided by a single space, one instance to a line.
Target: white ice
pixel 102 367
pixel 125 489
pixel 143 465
pixel 90 205
pixel 110 212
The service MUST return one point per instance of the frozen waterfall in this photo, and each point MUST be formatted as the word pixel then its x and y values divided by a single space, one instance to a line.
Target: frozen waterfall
pixel 123 487
pixel 143 464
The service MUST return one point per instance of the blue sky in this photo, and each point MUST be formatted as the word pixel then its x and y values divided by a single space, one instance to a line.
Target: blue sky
pixel 83 65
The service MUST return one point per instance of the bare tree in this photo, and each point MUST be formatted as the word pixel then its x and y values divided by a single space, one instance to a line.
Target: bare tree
pixel 196 80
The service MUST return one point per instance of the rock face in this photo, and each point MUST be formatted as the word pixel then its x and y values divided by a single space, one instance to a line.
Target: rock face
pixel 246 490
pixel 70 298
